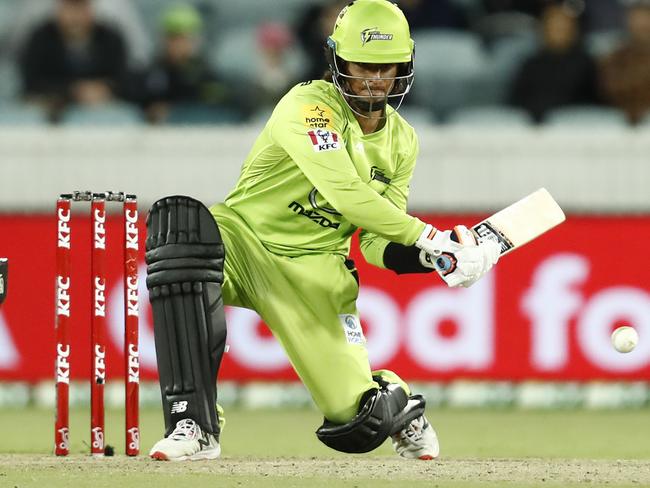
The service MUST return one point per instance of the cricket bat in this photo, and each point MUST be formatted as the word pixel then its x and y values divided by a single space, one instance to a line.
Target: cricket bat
pixel 522 221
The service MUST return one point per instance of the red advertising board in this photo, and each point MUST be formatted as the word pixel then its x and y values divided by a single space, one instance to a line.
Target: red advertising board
pixel 545 312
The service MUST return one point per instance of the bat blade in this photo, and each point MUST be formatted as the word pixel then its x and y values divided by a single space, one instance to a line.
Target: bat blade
pixel 522 221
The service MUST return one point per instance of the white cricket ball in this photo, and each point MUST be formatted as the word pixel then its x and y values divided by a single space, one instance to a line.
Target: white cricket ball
pixel 624 339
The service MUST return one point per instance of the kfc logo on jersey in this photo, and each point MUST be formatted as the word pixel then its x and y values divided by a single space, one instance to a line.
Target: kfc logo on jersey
pixel 324 140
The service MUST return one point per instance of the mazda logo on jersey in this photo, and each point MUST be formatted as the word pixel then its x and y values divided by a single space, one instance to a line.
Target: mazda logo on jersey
pixel 324 140
pixel 313 199
pixel 314 215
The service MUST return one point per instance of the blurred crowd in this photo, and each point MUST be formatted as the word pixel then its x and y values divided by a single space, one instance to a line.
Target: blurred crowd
pixel 218 61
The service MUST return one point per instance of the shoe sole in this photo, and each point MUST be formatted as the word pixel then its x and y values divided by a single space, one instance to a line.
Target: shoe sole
pixel 202 455
pixel 159 456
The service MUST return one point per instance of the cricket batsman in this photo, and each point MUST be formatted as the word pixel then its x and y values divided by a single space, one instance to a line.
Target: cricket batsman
pixel 334 157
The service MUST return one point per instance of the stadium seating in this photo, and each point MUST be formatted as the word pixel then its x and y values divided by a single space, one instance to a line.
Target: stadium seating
pixel 150 13
pixel 506 55
pixel 8 9
pixel 261 116
pixel 117 114
pixel 237 57
pixel 473 9
pixel 252 12
pixel 195 114
pixel 589 117
pixel 505 24
pixel 416 116
pixel 451 70
pixel 21 115
pixel 9 81
pixel 461 76
pixel 490 116
pixel 645 121
pixel 600 44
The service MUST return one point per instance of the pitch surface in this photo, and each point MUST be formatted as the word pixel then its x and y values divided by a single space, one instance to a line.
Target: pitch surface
pixel 278 448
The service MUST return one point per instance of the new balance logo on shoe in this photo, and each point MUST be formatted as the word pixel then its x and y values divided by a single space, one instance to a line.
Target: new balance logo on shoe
pixel 179 407
pixel 204 441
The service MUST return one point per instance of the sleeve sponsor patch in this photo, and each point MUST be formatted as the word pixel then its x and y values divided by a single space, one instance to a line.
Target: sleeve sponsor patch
pixel 317 116
pixel 324 140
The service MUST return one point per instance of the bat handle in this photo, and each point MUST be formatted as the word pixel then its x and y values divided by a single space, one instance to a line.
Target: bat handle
pixel 445 263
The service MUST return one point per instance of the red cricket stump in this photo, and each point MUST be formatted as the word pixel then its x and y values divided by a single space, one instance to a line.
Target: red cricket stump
pixel 98 323
pixel 131 355
pixel 98 290
pixel 62 314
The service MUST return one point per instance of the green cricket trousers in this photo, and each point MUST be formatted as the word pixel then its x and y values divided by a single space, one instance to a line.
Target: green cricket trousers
pixel 309 303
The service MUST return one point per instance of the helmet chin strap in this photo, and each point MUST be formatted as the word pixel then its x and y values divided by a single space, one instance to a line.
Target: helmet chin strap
pixel 365 109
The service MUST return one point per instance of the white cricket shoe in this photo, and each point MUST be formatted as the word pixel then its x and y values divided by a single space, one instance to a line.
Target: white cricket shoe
pixel 417 441
pixel 186 443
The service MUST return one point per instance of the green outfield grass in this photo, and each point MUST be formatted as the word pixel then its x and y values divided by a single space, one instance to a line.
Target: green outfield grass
pixel 279 448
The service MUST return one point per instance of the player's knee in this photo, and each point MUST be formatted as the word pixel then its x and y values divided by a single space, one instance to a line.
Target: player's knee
pixel 340 410
pixel 380 414
pixel 183 243
pixel 386 376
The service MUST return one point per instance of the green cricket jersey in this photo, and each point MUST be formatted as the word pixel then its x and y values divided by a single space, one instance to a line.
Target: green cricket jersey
pixel 312 178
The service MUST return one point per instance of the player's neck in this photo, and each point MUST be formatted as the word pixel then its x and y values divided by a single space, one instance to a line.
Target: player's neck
pixel 370 124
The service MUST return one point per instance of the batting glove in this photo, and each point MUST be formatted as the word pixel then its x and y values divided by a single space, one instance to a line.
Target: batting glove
pixel 458 257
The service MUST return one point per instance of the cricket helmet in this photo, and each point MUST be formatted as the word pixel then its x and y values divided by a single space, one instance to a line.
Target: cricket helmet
pixel 372 31
pixel 376 32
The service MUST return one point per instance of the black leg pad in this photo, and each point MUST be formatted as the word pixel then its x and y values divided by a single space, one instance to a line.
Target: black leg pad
pixel 382 413
pixel 185 258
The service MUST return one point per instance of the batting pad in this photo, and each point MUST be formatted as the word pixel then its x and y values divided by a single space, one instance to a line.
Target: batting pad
pixel 185 256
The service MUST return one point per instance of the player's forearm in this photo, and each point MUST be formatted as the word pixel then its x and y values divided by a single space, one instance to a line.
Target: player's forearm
pixel 372 247
pixel 392 225
pixel 403 259
pixel 366 209
pixel 390 255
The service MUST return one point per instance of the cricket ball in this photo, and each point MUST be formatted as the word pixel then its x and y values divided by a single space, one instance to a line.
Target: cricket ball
pixel 625 339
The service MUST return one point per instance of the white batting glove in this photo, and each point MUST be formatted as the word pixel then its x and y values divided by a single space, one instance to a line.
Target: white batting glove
pixel 456 255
